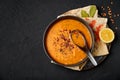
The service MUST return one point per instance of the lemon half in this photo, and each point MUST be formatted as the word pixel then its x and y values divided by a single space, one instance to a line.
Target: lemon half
pixel 106 35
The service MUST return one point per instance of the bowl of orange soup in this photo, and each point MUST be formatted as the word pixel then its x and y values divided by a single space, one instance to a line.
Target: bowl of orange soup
pixel 58 45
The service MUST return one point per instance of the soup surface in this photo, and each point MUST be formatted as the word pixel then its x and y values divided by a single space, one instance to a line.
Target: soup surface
pixel 59 45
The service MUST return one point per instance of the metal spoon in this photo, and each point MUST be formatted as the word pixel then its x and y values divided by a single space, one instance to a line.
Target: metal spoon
pixel 79 40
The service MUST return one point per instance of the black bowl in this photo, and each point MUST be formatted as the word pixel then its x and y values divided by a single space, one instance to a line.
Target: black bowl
pixel 63 18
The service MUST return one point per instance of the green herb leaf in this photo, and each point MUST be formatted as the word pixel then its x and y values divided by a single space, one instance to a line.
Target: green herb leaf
pixel 92 11
pixel 84 13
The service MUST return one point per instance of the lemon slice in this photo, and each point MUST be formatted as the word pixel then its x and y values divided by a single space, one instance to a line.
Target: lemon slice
pixel 106 35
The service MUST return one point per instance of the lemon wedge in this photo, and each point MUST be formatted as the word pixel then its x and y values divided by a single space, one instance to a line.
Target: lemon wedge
pixel 106 35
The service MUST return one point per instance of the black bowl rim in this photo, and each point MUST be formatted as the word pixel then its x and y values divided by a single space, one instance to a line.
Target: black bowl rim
pixel 57 20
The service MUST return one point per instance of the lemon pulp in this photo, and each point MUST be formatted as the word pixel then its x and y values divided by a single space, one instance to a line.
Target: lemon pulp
pixel 106 35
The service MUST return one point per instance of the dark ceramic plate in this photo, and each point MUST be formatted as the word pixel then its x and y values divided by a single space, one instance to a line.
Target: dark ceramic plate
pixel 88 65
pixel 99 60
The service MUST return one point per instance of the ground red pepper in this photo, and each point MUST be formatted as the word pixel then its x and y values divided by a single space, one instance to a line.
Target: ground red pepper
pixel 92 24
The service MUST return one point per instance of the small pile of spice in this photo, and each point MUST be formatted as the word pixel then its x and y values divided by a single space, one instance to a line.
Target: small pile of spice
pixel 108 12
pixel 110 15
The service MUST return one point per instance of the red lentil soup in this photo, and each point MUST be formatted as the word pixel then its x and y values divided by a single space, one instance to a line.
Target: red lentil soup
pixel 59 45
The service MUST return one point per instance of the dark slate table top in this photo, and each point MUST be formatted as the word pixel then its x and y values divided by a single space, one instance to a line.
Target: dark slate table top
pixel 22 24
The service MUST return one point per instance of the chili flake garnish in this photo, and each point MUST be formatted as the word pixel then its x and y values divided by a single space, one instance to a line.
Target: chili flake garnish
pixel 64 41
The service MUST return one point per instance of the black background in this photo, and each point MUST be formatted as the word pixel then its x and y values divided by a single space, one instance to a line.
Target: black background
pixel 22 24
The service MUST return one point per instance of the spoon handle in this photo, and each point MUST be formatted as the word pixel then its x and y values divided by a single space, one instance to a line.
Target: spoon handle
pixel 92 59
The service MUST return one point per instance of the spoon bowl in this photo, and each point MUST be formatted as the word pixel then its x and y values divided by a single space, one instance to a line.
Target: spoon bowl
pixel 79 40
